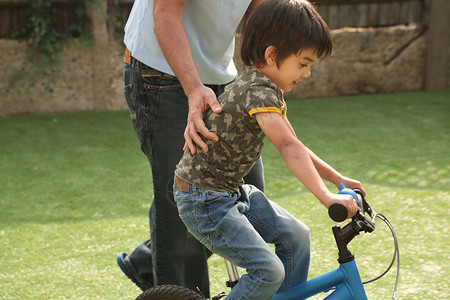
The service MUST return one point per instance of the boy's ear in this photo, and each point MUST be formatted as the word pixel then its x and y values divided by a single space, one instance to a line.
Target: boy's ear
pixel 270 55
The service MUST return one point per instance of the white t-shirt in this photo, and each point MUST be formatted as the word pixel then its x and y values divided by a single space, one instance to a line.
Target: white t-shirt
pixel 210 26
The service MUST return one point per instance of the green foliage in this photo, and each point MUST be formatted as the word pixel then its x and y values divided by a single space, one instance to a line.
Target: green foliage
pixel 39 30
pixel 115 20
pixel 46 40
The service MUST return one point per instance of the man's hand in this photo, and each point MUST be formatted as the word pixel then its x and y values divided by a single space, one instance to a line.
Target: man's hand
pixel 200 99
pixel 169 30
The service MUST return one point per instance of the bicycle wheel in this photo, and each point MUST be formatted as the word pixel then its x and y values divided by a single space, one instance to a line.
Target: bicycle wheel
pixel 169 292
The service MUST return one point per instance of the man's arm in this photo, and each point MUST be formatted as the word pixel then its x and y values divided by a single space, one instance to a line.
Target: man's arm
pixel 169 31
pixel 299 161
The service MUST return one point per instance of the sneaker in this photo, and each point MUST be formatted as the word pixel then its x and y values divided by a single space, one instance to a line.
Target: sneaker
pixel 128 269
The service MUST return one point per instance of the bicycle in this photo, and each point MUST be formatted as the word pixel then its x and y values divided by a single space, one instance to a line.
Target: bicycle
pixel 345 281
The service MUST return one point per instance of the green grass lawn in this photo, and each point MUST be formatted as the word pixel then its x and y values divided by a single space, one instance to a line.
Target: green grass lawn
pixel 75 191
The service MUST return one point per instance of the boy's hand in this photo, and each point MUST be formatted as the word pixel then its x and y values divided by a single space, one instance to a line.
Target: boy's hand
pixel 200 100
pixel 344 199
pixel 352 184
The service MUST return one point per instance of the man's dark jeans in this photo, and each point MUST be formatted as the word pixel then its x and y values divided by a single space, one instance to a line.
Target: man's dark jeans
pixel 158 109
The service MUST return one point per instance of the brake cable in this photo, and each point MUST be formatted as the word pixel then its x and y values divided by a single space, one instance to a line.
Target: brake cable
pixel 396 254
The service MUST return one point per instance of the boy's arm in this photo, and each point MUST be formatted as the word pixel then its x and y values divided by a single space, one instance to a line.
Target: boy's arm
pixel 299 161
pixel 288 124
pixel 326 171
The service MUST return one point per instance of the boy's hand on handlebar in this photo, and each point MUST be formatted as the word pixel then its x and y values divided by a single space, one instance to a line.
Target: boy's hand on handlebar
pixel 347 201
pixel 352 184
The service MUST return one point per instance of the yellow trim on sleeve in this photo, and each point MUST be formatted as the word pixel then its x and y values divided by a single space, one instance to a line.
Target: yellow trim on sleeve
pixel 283 107
pixel 265 109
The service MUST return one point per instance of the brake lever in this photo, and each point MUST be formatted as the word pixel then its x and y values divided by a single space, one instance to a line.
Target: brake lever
pixel 365 205
pixel 364 224
pixel 359 218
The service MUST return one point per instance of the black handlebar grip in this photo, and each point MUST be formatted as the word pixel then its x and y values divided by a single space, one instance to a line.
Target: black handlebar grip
pixel 337 212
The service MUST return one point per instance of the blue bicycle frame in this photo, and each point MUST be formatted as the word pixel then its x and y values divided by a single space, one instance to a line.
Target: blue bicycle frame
pixel 346 279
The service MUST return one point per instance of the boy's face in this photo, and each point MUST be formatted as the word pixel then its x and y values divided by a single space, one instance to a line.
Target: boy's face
pixel 292 70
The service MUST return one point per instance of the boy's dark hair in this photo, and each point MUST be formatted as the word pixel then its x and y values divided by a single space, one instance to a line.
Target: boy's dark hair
pixel 289 26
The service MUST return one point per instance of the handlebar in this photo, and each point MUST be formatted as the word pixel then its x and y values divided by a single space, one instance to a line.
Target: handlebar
pixel 338 212
pixel 343 236
pixel 359 222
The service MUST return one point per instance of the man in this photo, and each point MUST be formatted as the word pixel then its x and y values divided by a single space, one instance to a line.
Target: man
pixel 179 59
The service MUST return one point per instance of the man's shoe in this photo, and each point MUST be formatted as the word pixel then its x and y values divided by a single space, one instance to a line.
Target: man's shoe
pixel 128 269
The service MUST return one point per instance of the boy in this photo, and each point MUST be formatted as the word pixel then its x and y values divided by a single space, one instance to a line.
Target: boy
pixel 281 41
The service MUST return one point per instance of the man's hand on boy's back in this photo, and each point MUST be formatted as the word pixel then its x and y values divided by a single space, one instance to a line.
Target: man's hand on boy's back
pixel 200 99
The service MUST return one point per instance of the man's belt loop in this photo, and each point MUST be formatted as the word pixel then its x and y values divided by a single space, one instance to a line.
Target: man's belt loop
pixel 127 58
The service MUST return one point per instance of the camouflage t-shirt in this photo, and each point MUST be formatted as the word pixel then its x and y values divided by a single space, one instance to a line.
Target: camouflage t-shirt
pixel 227 161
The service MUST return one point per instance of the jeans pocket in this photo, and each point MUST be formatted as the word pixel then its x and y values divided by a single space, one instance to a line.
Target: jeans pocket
pixel 194 227
pixel 205 241
pixel 133 108
pixel 128 93
pixel 159 81
pixel 139 108
pixel 185 209
pixel 211 196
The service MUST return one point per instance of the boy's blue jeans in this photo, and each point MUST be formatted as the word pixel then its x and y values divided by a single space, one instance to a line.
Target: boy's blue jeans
pixel 238 227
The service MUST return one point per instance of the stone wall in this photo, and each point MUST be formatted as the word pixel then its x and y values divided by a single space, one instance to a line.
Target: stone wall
pixel 364 61
pixel 76 87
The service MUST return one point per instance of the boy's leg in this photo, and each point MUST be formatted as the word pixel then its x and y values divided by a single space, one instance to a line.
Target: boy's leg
pixel 216 219
pixel 277 226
